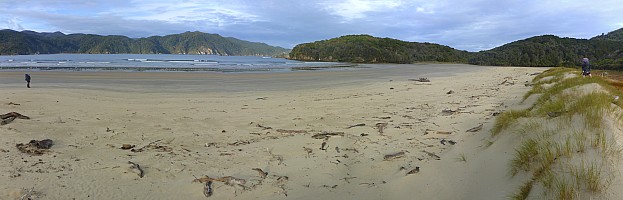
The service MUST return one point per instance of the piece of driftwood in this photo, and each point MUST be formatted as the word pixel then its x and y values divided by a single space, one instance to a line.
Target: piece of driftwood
pixel 450 92
pixel 290 131
pixel 11 103
pixel 208 190
pixel 324 145
pixel 351 126
pixel 393 156
pixel 414 171
pixel 444 132
pixel 435 156
pixel 228 180
pixel 262 173
pixel 475 129
pixel 308 150
pixel 448 111
pixel 324 135
pixel 35 147
pixel 127 146
pixel 153 145
pixel 9 117
pixel 420 80
pixel 14 114
pixel 134 167
pixel 263 127
pixel 444 141
pixel 380 126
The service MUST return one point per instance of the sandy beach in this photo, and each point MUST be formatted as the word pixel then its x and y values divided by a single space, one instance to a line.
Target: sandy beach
pixel 369 133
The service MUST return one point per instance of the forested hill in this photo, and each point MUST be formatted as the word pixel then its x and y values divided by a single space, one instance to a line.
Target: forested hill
pixel 368 49
pixel 549 50
pixel 30 42
pixel 613 36
pixel 605 51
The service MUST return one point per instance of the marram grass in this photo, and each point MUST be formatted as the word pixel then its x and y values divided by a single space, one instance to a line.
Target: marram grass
pixel 541 153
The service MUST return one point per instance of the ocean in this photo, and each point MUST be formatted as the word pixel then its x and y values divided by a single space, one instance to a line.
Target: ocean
pixel 157 62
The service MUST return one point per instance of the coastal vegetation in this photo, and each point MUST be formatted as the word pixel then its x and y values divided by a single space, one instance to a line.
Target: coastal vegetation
pixel 30 42
pixel 567 147
pixel 605 51
pixel 368 49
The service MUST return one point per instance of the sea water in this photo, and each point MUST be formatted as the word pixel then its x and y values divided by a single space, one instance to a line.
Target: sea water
pixel 157 62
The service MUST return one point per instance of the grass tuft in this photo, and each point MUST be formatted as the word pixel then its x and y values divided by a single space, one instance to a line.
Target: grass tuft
pixel 524 191
pixel 565 190
pixel 506 119
pixel 524 155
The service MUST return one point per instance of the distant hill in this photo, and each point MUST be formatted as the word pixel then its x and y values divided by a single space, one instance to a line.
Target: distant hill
pixel 616 35
pixel 547 51
pixel 30 42
pixel 368 49
pixel 605 51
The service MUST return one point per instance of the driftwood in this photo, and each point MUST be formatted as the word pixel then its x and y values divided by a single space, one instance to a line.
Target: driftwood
pixel 264 127
pixel 394 155
pixel 475 129
pixel 324 145
pixel 153 145
pixel 9 117
pixel 262 173
pixel 448 111
pixel 291 131
pixel 444 132
pixel 35 147
pixel 444 141
pixel 228 180
pixel 420 80
pixel 127 146
pixel 414 171
pixel 351 126
pixel 136 169
pixel 432 155
pixel 308 150
pixel 324 135
pixel 381 126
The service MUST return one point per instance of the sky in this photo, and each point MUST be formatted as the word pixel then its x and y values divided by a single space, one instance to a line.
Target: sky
pixel 471 25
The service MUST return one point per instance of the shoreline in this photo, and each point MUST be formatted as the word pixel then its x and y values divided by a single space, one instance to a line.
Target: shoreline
pixel 233 82
pixel 365 119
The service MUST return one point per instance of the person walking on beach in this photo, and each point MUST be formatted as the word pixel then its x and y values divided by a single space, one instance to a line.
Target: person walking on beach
pixel 586 68
pixel 27 77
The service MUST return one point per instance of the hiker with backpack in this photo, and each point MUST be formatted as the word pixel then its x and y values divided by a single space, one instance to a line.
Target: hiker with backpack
pixel 586 68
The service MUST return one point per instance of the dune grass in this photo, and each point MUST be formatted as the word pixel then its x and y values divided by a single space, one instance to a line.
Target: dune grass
pixel 506 119
pixel 545 153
